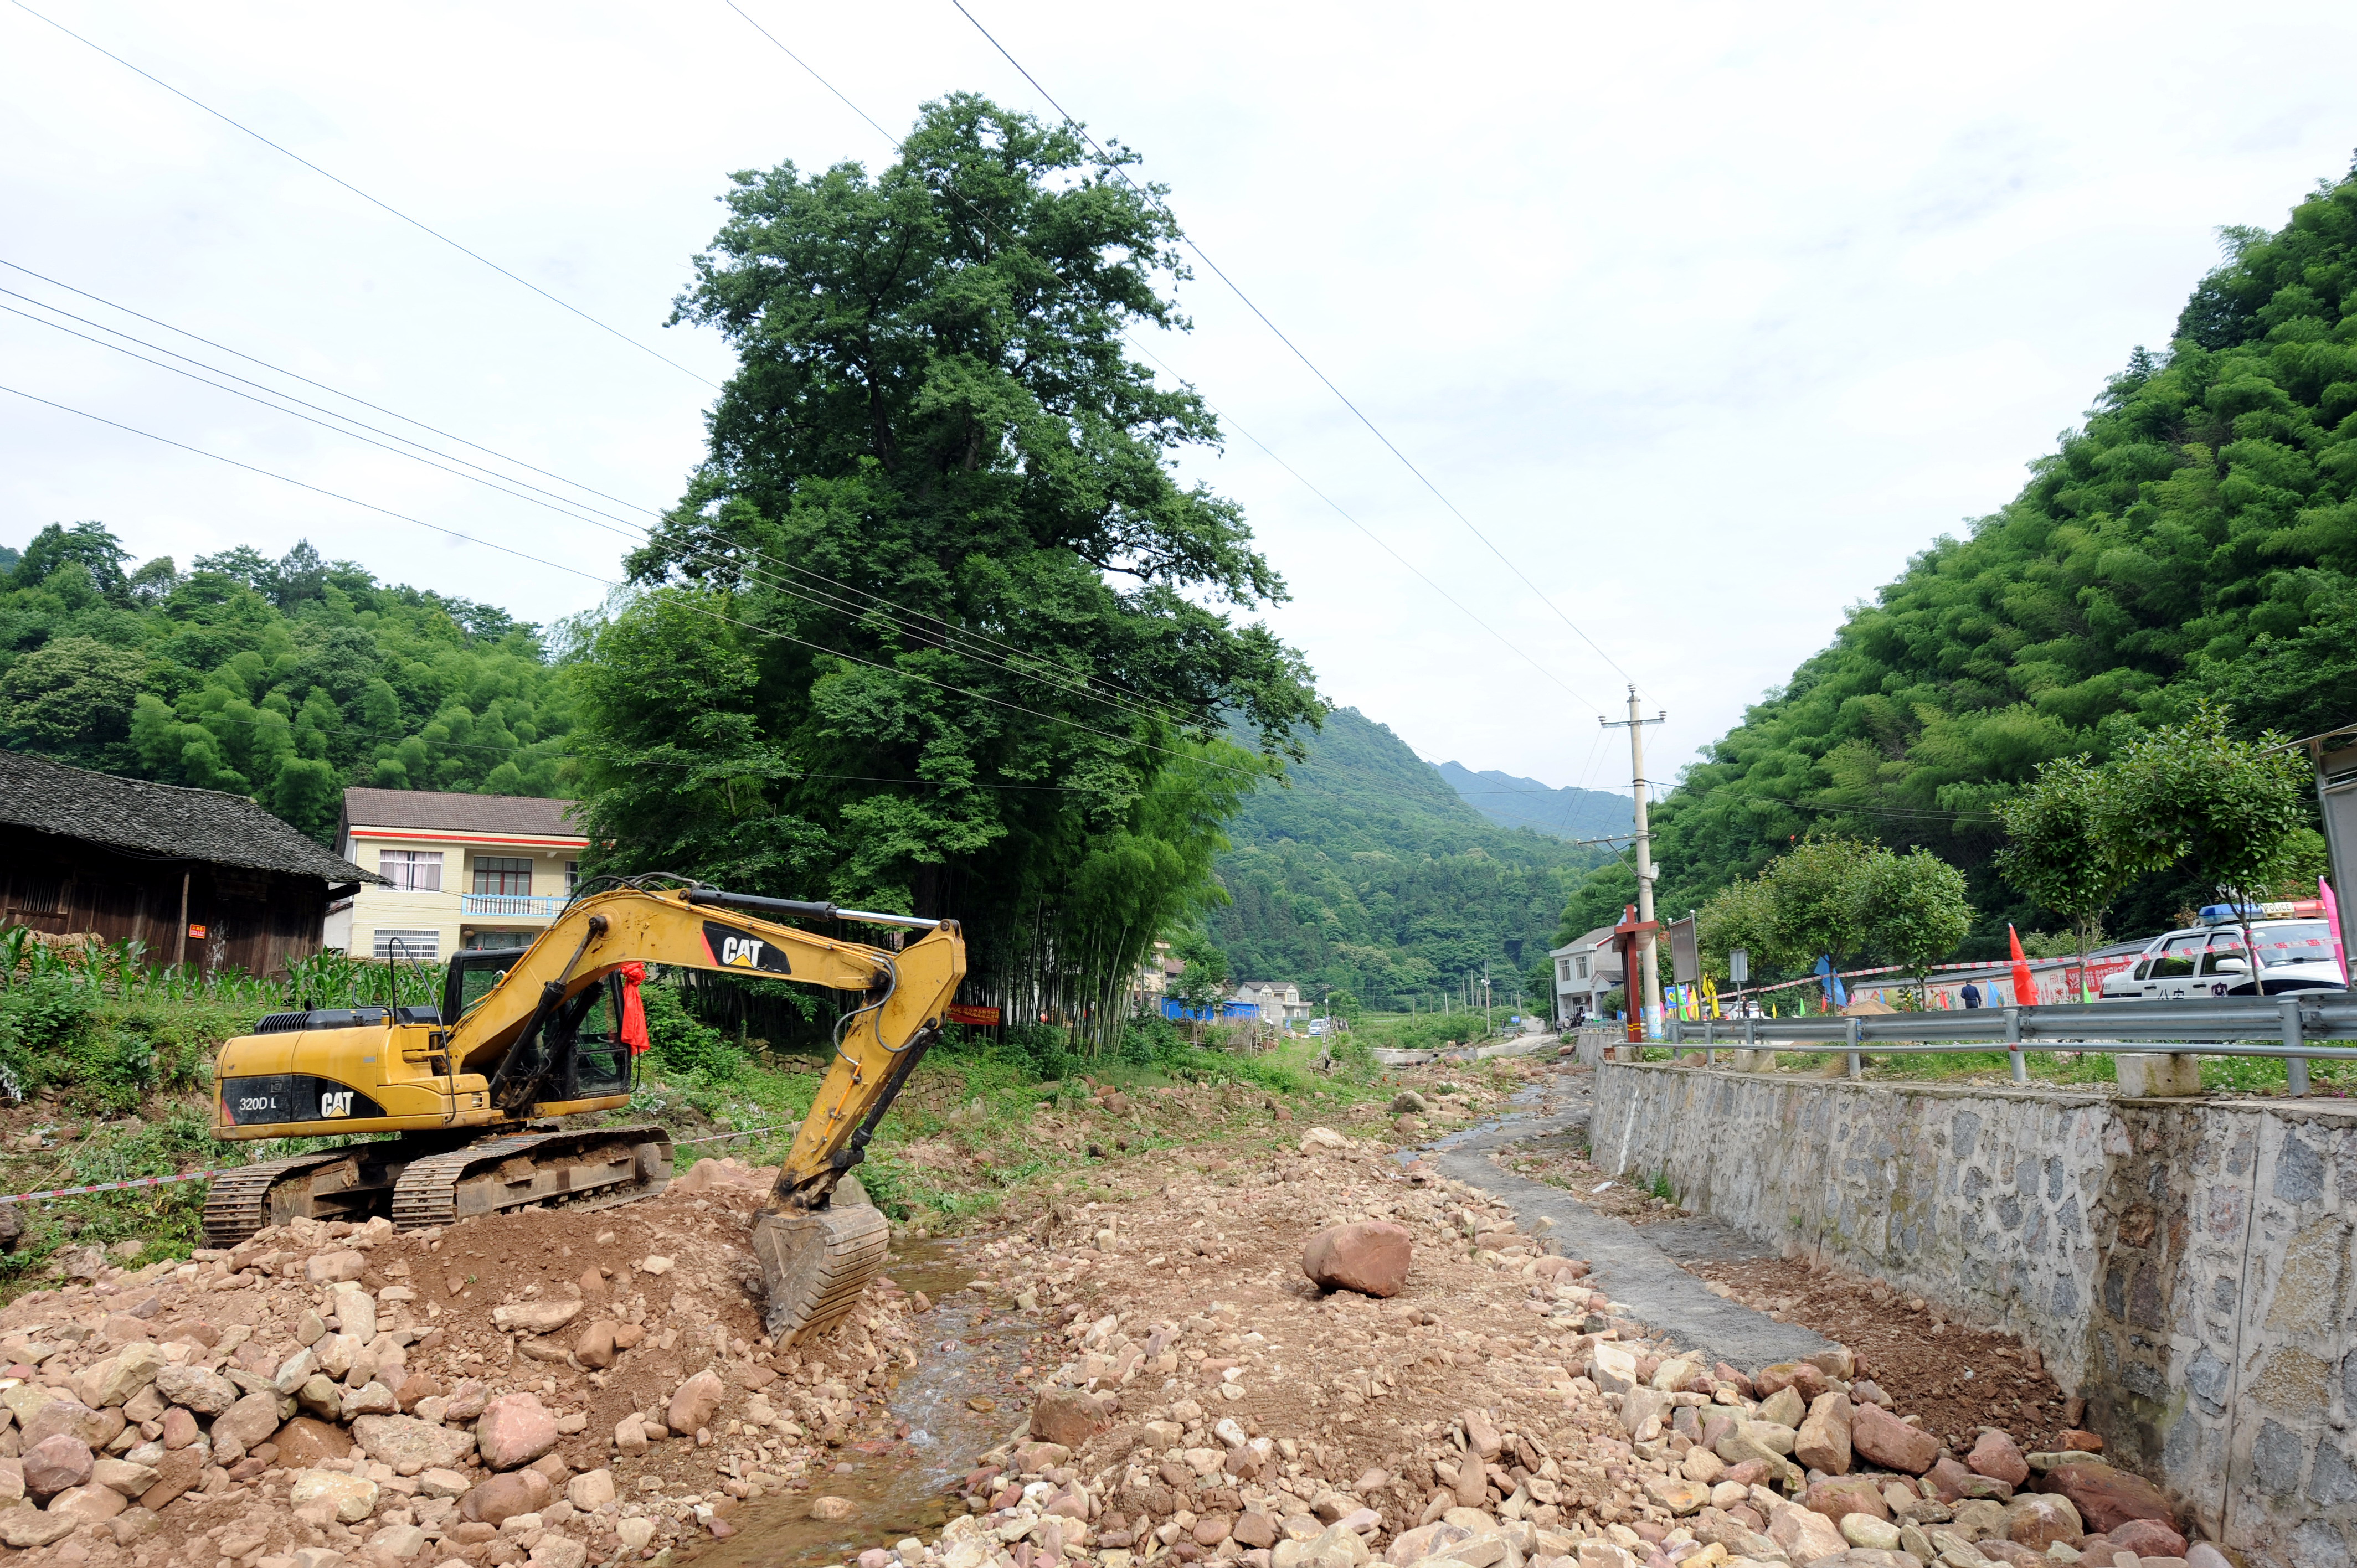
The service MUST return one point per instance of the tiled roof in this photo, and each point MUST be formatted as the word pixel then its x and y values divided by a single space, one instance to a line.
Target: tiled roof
pixel 161 820
pixel 455 812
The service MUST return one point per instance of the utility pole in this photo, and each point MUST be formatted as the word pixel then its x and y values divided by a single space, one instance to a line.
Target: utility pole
pixel 1485 992
pixel 1649 957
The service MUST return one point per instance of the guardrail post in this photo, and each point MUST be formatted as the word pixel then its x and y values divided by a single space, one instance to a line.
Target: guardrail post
pixel 1710 1042
pixel 1856 1068
pixel 2019 1062
pixel 2295 1067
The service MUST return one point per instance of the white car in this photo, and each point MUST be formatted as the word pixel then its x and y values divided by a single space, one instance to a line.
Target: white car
pixel 2208 960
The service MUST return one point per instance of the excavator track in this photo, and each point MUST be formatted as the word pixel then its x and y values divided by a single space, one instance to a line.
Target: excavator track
pixel 238 1204
pixel 591 1168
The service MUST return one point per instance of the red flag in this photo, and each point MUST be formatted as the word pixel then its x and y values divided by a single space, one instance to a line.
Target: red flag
pixel 634 1012
pixel 2024 990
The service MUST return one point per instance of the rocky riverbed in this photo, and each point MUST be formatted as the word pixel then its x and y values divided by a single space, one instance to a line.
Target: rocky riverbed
pixel 559 1389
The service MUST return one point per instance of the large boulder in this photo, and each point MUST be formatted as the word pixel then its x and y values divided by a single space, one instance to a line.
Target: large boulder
pixel 691 1409
pixel 1068 1416
pixel 1997 1456
pixel 1890 1442
pixel 1371 1257
pixel 2147 1538
pixel 332 1267
pixel 198 1389
pixel 399 1440
pixel 25 1528
pixel 176 1473
pixel 2105 1497
pixel 2038 1519
pixel 349 1498
pixel 536 1316
pixel 515 1429
pixel 56 1463
pixel 1842 1495
pixel 121 1375
pixel 252 1419
pixel 1823 1441
pixel 88 1505
pixel 501 1497
pixel 68 1418
pixel 1804 1534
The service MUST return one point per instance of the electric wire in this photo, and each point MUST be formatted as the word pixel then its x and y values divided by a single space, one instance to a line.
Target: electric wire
pixel 952 194
pixel 610 583
pixel 364 196
pixel 485 261
pixel 563 506
pixel 948 630
pixel 1360 414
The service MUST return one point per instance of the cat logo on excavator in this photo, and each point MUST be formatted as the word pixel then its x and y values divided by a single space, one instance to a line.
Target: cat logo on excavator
pixel 732 949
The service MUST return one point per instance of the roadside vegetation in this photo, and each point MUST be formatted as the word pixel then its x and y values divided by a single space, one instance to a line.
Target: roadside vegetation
pixel 106 1075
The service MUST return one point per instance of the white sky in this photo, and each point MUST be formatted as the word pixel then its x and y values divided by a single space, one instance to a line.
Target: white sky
pixel 1708 315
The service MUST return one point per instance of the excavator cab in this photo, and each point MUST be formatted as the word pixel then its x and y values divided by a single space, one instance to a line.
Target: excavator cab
pixel 589 1059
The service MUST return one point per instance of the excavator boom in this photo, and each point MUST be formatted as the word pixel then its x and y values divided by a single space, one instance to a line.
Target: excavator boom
pixel 460 1084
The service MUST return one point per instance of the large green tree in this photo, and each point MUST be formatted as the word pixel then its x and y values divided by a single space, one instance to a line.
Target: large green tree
pixel 935 622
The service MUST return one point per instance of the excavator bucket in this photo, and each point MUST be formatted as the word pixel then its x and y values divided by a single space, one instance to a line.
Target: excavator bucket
pixel 815 1265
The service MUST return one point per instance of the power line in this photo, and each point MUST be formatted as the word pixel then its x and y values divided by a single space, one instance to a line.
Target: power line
pixel 364 196
pixel 1344 398
pixel 565 506
pixel 983 219
pixel 610 583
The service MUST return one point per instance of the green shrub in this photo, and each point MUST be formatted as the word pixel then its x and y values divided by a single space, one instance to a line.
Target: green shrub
pixel 680 1044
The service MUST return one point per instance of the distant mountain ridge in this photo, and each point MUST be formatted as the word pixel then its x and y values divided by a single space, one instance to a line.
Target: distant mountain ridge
pixel 1511 802
pixel 1369 873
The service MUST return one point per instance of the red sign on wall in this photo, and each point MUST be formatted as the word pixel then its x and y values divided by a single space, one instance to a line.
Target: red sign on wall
pixel 961 1013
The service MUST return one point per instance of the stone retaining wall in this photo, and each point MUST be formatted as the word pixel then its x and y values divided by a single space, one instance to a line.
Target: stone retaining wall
pixel 2184 1263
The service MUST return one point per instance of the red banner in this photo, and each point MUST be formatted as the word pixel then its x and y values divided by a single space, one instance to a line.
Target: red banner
pixel 961 1013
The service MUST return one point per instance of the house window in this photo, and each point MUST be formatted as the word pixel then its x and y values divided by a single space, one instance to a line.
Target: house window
pixel 1563 969
pixel 503 874
pixel 571 876
pixel 409 947
pixel 411 870
pixel 1583 967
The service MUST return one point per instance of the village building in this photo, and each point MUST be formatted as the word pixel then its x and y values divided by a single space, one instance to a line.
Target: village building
pixel 194 876
pixel 1586 971
pixel 1279 1001
pixel 456 871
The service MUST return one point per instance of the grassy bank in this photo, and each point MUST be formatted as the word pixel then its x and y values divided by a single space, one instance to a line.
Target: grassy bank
pixel 101 1080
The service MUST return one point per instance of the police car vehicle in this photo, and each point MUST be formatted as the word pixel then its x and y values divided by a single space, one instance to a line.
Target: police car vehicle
pixel 2294 947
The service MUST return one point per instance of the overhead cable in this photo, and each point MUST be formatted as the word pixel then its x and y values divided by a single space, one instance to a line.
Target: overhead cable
pixel 374 201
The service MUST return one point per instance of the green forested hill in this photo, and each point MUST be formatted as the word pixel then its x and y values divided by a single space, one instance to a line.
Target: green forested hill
pixel 2197 537
pixel 283 679
pixel 1512 801
pixel 1369 874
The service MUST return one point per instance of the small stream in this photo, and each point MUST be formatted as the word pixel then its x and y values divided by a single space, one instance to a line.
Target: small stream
pixel 898 1471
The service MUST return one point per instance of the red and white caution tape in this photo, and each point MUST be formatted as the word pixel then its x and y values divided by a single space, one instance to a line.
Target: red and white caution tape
pixel 112 1186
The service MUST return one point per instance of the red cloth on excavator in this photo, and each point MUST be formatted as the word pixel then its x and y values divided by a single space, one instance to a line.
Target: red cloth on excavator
pixel 634 1012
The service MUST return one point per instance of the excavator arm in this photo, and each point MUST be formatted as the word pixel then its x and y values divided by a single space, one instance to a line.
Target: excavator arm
pixel 815 1258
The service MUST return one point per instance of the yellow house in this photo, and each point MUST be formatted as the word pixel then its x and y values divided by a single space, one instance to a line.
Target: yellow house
pixel 460 871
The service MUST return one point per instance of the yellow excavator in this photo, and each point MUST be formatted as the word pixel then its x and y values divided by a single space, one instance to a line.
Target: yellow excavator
pixel 469 1090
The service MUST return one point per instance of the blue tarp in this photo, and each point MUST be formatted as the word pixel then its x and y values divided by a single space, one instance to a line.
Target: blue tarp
pixel 1174 1010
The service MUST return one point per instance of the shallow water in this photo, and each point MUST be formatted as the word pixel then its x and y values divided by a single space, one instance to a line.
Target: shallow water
pixel 899 1472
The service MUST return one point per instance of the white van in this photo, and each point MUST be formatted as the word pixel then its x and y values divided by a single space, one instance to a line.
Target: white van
pixel 2294 954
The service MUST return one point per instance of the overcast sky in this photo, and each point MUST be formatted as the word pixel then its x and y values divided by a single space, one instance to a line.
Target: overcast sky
pixel 1709 316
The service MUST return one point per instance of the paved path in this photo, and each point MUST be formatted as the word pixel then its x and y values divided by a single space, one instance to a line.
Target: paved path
pixel 1636 1266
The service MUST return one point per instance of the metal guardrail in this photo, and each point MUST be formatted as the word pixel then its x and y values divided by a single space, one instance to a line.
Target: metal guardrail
pixel 2299 1028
